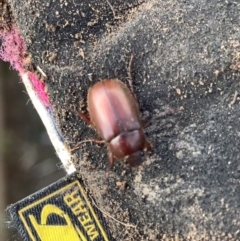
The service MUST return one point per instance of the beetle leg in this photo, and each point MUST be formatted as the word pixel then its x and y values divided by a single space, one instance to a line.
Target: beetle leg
pixel 166 112
pixel 111 161
pixel 145 123
pixel 162 114
pixel 111 164
pixel 78 145
pixel 85 117
pixel 129 73
pixel 148 146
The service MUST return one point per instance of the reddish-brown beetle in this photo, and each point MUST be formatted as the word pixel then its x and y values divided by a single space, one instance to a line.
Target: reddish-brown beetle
pixel 114 113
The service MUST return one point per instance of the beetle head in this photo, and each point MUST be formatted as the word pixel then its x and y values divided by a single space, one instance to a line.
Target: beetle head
pixel 135 159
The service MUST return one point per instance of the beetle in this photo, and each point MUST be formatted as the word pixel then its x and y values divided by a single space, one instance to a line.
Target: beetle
pixel 114 113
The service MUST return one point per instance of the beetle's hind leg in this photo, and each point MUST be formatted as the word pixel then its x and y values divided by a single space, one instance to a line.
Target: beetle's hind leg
pixel 129 73
pixel 85 117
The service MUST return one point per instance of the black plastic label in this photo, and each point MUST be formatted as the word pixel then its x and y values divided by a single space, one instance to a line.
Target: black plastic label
pixel 59 212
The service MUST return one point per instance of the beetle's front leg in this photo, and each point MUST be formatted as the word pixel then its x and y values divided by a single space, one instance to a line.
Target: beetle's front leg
pixel 148 146
pixel 111 161
pixel 78 145
pixel 168 111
